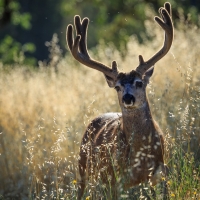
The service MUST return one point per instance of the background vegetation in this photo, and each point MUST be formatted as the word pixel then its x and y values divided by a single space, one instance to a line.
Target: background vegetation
pixel 27 25
pixel 45 107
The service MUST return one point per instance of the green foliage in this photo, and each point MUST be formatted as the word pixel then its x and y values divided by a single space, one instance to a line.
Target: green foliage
pixel 22 19
pixel 14 9
pixel 115 21
pixel 11 50
pixel 111 21
pixel 185 173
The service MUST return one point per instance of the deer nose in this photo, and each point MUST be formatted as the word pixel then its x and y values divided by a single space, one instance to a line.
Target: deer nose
pixel 128 99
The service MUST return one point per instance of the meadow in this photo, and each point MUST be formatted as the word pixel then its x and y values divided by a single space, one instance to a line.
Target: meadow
pixel 44 112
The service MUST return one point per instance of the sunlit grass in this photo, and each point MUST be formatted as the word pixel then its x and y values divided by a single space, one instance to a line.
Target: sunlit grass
pixel 44 112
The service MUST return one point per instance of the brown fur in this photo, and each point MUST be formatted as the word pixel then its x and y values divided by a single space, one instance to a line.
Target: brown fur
pixel 127 145
pixel 131 140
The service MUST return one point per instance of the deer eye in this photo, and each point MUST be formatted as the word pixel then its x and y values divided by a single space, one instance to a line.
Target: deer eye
pixel 117 88
pixel 138 84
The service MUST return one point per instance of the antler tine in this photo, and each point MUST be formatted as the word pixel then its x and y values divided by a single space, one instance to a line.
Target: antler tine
pixel 69 37
pixel 78 47
pixel 167 6
pixel 167 25
pixel 81 29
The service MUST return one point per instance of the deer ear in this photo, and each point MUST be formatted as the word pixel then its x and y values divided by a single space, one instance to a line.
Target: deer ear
pixel 148 74
pixel 110 81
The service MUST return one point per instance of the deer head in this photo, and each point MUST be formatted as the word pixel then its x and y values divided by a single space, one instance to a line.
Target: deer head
pixel 129 86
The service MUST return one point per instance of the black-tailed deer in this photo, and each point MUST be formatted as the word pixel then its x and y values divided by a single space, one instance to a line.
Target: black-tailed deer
pixel 129 145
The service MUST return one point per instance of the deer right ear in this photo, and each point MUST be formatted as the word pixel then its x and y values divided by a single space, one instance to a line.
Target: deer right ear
pixel 110 81
pixel 148 74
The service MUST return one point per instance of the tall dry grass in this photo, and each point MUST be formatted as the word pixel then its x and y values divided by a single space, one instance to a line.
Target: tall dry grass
pixel 44 112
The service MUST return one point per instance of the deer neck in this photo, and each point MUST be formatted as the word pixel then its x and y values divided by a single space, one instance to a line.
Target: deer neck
pixel 136 121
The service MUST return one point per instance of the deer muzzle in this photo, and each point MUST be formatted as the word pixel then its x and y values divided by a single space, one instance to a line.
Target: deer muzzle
pixel 128 99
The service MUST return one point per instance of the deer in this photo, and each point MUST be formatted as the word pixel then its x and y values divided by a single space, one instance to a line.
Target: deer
pixel 128 145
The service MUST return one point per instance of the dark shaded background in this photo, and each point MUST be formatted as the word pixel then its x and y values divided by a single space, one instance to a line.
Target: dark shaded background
pixel 27 24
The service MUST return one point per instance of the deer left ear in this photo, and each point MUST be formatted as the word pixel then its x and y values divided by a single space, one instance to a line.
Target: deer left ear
pixel 110 81
pixel 148 74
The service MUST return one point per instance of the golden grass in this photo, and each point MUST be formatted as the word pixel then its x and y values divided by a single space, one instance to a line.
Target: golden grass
pixel 43 113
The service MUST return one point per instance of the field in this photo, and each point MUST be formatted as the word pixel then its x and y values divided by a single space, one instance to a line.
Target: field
pixel 44 112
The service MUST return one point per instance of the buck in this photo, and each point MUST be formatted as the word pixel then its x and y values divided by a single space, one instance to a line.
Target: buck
pixel 125 146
